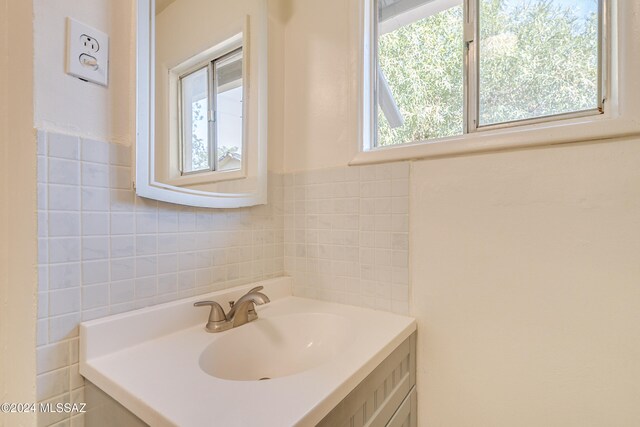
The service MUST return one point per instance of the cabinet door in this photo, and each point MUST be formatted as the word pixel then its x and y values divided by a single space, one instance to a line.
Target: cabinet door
pixel 377 398
pixel 406 415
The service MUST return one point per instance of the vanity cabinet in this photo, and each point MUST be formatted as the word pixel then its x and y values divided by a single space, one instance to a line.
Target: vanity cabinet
pixel 386 397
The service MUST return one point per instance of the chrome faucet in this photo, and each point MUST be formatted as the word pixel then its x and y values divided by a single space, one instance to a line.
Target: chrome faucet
pixel 241 312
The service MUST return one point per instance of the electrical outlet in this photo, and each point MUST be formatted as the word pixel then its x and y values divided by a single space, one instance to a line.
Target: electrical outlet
pixel 89 43
pixel 87 53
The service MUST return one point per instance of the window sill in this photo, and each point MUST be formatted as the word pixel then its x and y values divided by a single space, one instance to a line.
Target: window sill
pixel 206 178
pixel 537 135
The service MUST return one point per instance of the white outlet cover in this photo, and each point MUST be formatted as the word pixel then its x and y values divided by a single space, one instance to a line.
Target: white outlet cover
pixel 87 53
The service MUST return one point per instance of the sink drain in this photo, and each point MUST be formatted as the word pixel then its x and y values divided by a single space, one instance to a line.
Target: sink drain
pixel 264 379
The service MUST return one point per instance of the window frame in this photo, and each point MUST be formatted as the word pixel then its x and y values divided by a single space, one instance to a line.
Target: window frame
pixel 619 23
pixel 172 175
pixel 212 115
pixel 181 119
pixel 471 39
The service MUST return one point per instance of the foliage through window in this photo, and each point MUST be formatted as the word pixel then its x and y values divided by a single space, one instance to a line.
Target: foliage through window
pixel 449 67
pixel 211 116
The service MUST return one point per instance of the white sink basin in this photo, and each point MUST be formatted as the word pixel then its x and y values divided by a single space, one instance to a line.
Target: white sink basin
pixel 277 347
pixel 161 364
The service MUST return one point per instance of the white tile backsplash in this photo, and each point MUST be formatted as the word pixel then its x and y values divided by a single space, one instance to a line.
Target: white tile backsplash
pixel 52 384
pixel 63 198
pixel 95 199
pixel 95 151
pixel 121 291
pixel 122 223
pixel 63 171
pixel 64 275
pixel 54 356
pixel 122 246
pixel 346 235
pixel 102 250
pixel 95 223
pixel 341 233
pixel 60 145
pixel 63 224
pixel 95 175
pixel 63 249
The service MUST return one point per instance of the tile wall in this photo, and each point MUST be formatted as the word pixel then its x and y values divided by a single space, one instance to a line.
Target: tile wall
pixel 102 251
pixel 341 233
pixel 346 235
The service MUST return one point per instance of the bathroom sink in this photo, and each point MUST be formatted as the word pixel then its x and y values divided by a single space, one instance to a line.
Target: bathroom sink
pixel 162 364
pixel 277 347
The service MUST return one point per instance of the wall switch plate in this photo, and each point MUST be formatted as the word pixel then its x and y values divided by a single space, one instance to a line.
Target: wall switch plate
pixel 87 53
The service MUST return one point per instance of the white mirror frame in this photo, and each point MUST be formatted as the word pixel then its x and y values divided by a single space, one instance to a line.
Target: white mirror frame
pixel 145 182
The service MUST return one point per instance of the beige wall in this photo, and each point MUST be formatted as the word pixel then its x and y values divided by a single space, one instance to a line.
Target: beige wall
pixel 66 104
pixel 18 278
pixel 277 21
pixel 526 280
pixel 4 280
pixel 321 86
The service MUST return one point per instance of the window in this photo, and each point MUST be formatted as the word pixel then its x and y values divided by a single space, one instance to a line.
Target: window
pixel 445 68
pixel 211 113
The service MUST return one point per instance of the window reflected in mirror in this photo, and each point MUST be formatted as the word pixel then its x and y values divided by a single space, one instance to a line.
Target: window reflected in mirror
pixel 228 111
pixel 211 115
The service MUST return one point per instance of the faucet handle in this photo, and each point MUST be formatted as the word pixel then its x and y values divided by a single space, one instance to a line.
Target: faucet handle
pixel 217 312
pixel 217 319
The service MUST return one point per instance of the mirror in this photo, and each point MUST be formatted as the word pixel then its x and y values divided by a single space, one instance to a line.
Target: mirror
pixel 202 102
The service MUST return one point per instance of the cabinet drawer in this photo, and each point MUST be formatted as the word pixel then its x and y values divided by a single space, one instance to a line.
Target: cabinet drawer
pixel 406 415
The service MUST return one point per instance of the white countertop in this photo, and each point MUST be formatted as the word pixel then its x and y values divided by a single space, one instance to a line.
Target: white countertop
pixel 148 360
